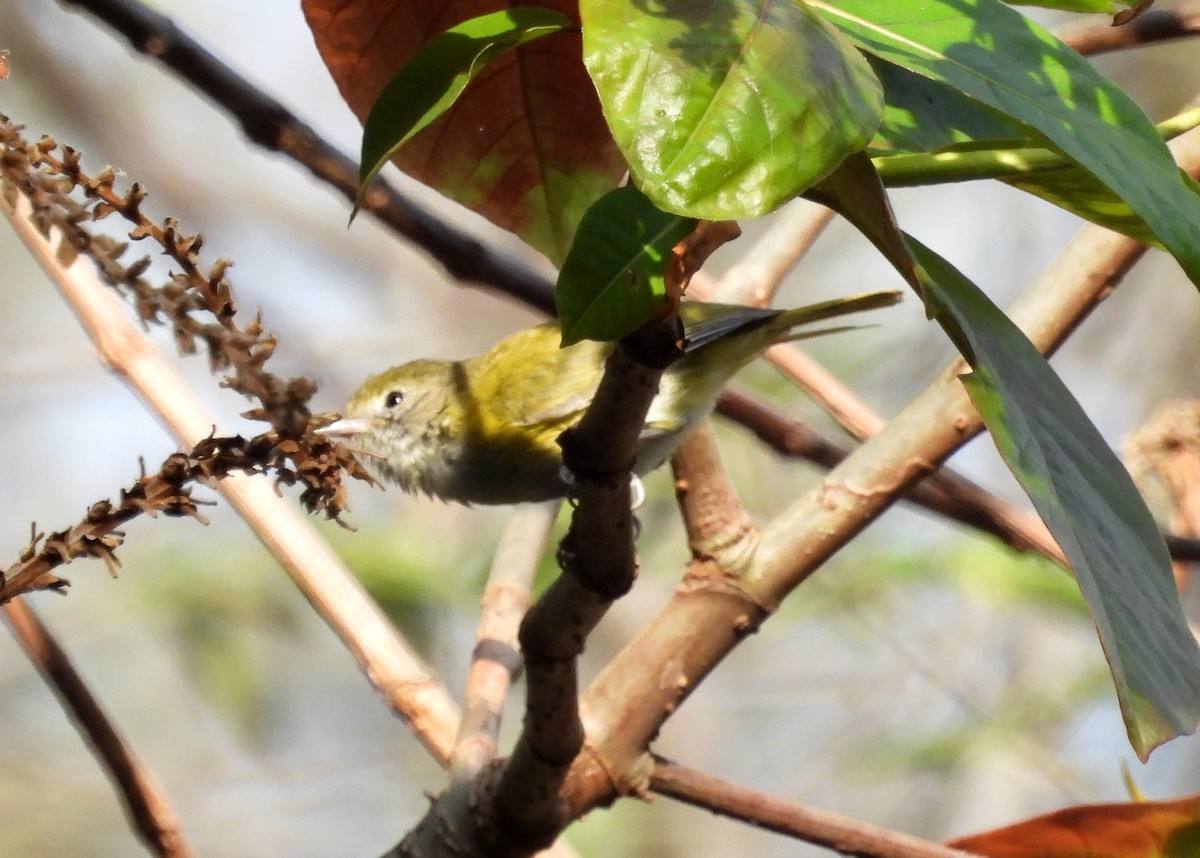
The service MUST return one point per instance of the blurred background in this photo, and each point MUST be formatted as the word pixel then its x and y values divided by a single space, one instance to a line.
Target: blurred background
pixel 927 679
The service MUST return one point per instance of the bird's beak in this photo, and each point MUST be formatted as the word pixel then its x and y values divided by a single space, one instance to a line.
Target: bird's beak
pixel 347 427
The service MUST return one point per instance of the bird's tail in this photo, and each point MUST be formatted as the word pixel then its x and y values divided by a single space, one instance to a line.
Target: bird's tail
pixel 788 320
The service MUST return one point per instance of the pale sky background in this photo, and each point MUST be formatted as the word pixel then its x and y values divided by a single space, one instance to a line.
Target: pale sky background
pixel 267 738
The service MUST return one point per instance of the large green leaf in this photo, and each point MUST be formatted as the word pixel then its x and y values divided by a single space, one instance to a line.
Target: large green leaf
pixel 429 84
pixel 612 279
pixel 1075 481
pixel 728 108
pixel 1088 501
pixel 998 57
pixel 923 115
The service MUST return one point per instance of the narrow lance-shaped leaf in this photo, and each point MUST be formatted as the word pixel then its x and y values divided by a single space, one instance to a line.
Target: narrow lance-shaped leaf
pixel 1074 479
pixel 1034 169
pixel 613 277
pixel 1000 58
pixel 923 115
pixel 1088 501
pixel 429 84
pixel 728 108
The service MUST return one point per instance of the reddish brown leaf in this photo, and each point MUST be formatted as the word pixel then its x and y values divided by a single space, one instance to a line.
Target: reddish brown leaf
pixel 1150 829
pixel 526 145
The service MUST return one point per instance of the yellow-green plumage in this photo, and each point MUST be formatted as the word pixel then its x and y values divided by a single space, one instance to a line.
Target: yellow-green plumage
pixel 484 430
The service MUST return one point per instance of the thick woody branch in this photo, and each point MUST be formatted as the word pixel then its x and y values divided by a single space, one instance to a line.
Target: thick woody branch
pixel 599 565
pixel 943 492
pixel 516 807
pixel 718 528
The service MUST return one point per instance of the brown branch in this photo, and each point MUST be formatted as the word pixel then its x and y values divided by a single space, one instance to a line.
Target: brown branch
pixel 269 124
pixel 496 660
pixel 599 565
pixel 943 492
pixel 756 278
pixel 198 306
pixel 819 827
pixel 718 528
pixel 940 493
pixel 167 491
pixel 1156 25
pixel 1165 450
pixel 145 804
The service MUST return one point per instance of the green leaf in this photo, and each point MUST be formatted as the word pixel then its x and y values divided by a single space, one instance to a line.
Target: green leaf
pixel 429 84
pixel 1034 169
pixel 1075 481
pixel 1030 168
pixel 998 57
pixel 923 115
pixel 726 109
pixel 1088 501
pixel 612 279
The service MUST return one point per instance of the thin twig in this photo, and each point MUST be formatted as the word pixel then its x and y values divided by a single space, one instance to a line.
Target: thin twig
pixel 145 803
pixel 497 657
pixel 756 278
pixel 267 123
pixel 943 492
pixel 1156 25
pixel 819 827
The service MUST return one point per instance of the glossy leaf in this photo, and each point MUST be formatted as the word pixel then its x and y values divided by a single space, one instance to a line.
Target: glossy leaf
pixel 429 84
pixel 726 109
pixel 923 115
pixel 1151 829
pixel 525 145
pixel 612 280
pixel 1080 488
pixel 1001 59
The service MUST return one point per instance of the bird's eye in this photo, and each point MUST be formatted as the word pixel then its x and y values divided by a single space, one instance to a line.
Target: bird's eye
pixel 393 399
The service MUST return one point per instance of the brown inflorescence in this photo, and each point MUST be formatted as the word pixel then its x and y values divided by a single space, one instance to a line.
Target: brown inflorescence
pixel 199 308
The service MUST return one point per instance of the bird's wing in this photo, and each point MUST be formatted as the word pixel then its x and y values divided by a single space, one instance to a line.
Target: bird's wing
pixel 706 323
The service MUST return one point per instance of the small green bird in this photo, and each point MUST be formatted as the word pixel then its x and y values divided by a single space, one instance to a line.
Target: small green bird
pixel 483 430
